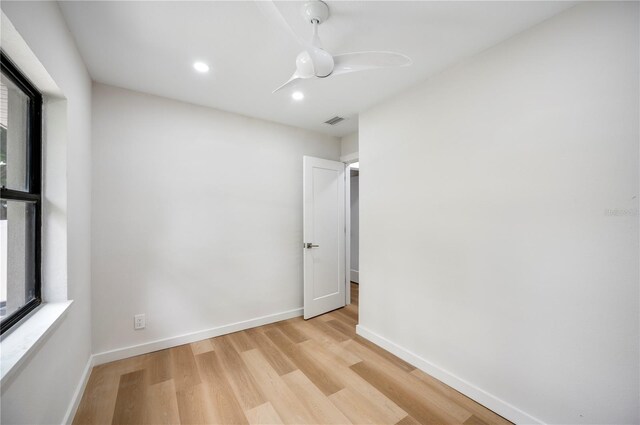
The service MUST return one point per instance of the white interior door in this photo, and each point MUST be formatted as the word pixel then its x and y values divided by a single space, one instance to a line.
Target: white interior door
pixel 324 235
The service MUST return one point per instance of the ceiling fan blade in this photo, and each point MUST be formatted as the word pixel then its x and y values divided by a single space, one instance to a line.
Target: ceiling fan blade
pixel 295 77
pixel 362 61
pixel 289 82
pixel 271 11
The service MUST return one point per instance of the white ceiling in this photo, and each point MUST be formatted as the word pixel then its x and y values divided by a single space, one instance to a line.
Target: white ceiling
pixel 150 46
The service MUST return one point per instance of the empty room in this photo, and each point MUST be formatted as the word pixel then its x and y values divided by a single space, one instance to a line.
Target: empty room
pixel 319 212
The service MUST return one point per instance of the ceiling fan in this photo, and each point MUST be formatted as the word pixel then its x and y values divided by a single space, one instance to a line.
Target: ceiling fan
pixel 315 62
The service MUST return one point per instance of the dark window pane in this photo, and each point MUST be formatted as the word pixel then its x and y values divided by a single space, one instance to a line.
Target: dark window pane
pixel 20 174
pixel 17 242
pixel 14 108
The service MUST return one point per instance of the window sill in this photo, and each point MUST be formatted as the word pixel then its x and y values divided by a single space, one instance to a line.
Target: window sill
pixel 16 347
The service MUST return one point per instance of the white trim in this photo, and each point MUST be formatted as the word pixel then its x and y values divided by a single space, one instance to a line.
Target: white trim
pixel 347 233
pixel 354 276
pixel 161 344
pixel 77 395
pixel 350 158
pixel 22 341
pixel 488 400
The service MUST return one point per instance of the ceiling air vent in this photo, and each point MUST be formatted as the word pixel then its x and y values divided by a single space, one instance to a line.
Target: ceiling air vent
pixel 334 120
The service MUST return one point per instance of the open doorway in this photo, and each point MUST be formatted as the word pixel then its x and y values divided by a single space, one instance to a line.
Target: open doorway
pixel 354 186
pixel 353 210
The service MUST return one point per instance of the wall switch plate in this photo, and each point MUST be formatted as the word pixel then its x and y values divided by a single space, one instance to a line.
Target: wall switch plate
pixel 139 321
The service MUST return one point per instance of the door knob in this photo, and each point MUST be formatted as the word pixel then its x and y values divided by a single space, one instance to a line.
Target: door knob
pixel 310 245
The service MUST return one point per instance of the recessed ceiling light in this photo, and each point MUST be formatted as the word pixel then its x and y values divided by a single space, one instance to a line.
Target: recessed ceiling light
pixel 297 95
pixel 201 67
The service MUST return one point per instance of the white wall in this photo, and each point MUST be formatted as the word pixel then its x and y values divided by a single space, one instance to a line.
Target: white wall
pixel 197 216
pixel 492 187
pixel 349 144
pixel 40 392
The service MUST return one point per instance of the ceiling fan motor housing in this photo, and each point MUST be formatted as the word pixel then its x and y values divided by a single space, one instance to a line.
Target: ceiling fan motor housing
pixel 315 10
pixel 321 67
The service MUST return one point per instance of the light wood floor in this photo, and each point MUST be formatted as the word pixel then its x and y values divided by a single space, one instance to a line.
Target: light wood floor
pixel 293 372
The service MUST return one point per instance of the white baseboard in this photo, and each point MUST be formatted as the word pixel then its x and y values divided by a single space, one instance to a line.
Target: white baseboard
pixel 355 276
pixel 136 350
pixel 490 401
pixel 77 395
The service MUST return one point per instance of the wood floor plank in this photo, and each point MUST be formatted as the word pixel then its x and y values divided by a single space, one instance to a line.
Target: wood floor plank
pixel 284 401
pixel 99 398
pixel 340 326
pixel 302 361
pixel 288 328
pixel 344 318
pixel 474 420
pixel 226 407
pixel 264 414
pixel 344 355
pixel 200 347
pixel 328 330
pixel 384 353
pixel 387 409
pixel 159 367
pixel 353 308
pixel 350 313
pixel 323 317
pixel 361 410
pixel 243 383
pixel 276 358
pixel 122 367
pixel 408 420
pixel 184 367
pixel 242 341
pixel 130 402
pixel 161 404
pixel 314 400
pixel 313 333
pixel 194 406
pixel 472 406
pixel 431 399
pixel 403 395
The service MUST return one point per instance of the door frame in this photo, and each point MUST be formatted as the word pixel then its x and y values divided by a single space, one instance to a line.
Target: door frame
pixel 348 160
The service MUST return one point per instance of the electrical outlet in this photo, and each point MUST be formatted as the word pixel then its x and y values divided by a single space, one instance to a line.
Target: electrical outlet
pixel 139 321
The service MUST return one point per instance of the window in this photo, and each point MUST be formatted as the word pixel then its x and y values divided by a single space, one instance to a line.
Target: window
pixel 20 194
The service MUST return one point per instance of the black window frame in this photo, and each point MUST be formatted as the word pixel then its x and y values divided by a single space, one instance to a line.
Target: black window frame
pixel 34 181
